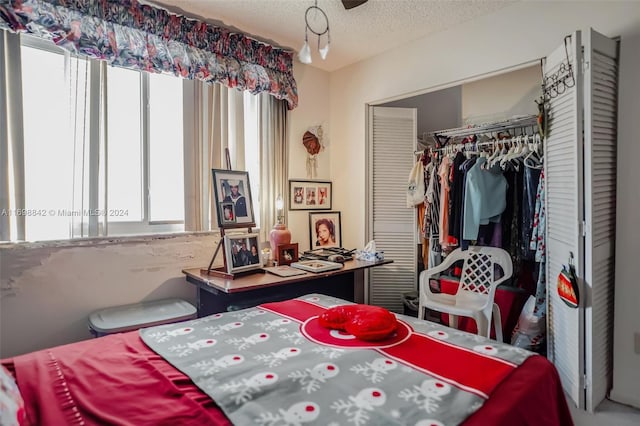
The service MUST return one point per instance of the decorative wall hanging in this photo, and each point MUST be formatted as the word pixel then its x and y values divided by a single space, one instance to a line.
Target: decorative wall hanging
pixel 312 141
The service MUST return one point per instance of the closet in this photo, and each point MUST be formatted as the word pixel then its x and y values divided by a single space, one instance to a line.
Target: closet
pixel 580 92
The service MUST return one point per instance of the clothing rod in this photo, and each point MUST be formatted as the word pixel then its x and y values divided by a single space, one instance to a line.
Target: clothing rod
pixel 514 123
pixel 491 143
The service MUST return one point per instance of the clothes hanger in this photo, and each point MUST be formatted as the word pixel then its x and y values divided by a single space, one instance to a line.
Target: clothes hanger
pixel 493 155
pixel 535 159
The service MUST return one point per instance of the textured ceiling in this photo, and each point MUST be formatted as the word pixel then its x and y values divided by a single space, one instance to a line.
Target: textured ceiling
pixel 356 34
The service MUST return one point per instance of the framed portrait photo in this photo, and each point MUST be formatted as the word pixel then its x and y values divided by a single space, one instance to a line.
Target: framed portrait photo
pixel 325 230
pixel 309 195
pixel 228 213
pixel 242 252
pixel 287 253
pixel 233 198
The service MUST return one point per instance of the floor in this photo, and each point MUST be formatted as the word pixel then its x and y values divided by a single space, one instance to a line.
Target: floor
pixel 608 413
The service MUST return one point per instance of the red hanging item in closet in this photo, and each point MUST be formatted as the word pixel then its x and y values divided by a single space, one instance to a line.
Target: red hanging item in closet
pixel 568 285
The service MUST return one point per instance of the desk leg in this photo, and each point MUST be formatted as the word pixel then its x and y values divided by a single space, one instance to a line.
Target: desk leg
pixel 358 286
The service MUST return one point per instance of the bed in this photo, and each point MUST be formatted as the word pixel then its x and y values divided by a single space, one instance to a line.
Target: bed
pixel 274 365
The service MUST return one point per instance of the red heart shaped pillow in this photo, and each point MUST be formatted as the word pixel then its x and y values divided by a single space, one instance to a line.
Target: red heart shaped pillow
pixel 366 322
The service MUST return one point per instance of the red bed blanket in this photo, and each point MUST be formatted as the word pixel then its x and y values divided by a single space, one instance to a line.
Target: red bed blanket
pixel 118 380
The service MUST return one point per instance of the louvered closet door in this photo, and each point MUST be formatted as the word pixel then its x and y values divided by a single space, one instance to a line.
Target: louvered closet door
pixel 600 142
pixel 564 209
pixel 392 139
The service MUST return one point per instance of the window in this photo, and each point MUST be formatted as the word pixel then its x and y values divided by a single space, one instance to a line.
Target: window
pixel 48 148
pixel 104 147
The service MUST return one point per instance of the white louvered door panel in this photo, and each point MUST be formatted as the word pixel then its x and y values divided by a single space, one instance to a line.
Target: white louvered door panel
pixel 393 135
pixel 600 143
pixel 564 215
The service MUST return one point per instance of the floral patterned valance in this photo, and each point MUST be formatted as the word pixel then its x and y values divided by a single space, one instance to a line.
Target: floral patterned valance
pixel 128 34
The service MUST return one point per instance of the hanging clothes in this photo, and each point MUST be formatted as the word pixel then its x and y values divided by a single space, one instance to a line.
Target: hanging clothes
pixel 433 198
pixel 456 197
pixel 537 241
pixel 443 174
pixel 511 218
pixel 529 192
pixel 538 245
pixel 466 165
pixel 485 199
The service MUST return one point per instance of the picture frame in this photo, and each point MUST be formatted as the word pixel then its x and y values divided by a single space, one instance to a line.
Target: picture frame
pixel 316 265
pixel 227 213
pixel 239 251
pixel 231 186
pixel 325 230
pixel 287 253
pixel 310 195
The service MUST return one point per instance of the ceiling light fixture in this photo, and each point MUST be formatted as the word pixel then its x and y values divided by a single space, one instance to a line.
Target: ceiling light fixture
pixel 305 53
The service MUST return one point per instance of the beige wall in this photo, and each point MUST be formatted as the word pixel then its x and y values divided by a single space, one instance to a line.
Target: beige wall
pixel 515 35
pixel 313 110
pixel 503 96
pixel 49 291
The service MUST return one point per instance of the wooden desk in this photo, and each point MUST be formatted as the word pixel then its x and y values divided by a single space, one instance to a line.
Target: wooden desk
pixel 217 294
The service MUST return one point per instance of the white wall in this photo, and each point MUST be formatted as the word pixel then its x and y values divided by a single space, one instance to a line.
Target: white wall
pixel 514 35
pixel 49 291
pixel 502 96
pixel 437 110
pixel 313 110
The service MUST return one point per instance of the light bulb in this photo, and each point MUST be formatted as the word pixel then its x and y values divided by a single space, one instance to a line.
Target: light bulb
pixel 279 203
pixel 305 53
pixel 324 51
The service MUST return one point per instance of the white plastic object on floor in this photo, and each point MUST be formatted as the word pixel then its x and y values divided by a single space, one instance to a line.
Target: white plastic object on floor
pixel 119 319
pixel 478 283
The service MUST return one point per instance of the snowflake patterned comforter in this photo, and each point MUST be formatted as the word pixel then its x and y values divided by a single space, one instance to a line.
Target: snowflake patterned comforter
pixel 274 365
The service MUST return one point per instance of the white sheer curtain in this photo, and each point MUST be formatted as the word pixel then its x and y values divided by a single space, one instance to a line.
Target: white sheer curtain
pixel 218 124
pixel 219 117
pixel 87 124
pixel 274 159
pixel 12 226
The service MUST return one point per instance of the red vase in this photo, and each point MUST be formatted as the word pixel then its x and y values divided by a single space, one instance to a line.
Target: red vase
pixel 278 235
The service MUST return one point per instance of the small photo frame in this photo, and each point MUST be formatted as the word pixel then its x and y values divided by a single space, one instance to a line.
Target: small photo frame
pixel 233 187
pixel 325 230
pixel 309 195
pixel 242 252
pixel 227 213
pixel 287 253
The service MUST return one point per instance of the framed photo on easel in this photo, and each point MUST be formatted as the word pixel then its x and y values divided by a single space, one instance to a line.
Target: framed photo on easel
pixel 232 193
pixel 242 252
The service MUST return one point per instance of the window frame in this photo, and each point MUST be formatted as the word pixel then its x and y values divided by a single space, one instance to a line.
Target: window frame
pixel 98 145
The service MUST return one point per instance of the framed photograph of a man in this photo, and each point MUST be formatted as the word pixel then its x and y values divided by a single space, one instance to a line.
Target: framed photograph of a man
pixel 228 213
pixel 309 195
pixel 242 252
pixel 232 189
pixel 325 230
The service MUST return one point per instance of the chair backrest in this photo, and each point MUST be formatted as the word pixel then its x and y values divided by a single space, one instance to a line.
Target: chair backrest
pixel 478 269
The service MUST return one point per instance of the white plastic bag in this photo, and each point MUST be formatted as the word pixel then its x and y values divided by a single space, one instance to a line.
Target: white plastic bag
pixel 530 331
pixel 415 186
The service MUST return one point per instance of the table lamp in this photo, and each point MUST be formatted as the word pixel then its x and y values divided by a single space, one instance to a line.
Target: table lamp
pixel 279 234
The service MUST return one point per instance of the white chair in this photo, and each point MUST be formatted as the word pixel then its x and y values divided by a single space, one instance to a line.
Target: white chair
pixel 474 297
